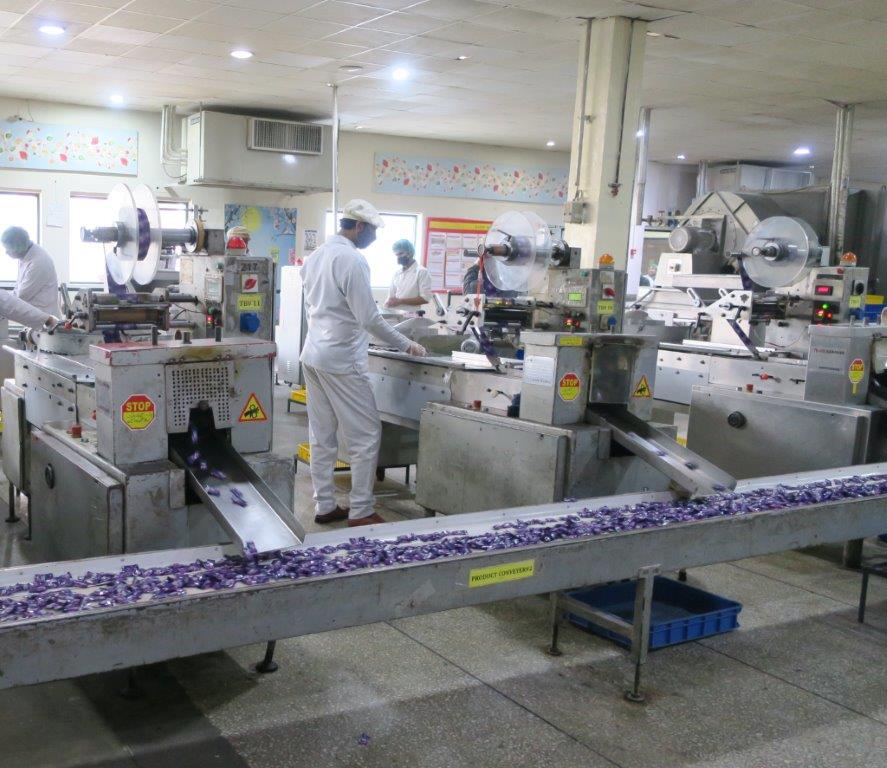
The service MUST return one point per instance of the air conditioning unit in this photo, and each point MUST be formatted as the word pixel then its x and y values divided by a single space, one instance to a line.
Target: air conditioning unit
pixel 227 150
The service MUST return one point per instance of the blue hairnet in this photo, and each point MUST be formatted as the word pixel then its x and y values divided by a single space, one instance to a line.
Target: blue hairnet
pixel 16 240
pixel 404 246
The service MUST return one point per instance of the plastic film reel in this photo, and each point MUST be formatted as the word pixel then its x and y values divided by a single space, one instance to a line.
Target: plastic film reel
pixel 779 250
pixel 526 238
pixel 121 257
pixel 149 235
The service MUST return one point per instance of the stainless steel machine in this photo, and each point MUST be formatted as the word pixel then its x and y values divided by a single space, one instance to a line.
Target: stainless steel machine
pixel 216 285
pixel 748 328
pixel 130 435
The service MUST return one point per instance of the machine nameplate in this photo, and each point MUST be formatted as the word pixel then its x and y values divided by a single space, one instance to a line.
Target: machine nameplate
pixel 138 411
pixel 253 410
pixel 568 387
pixel 539 370
pixel 570 341
pixel 250 302
pixel 854 302
pixel 497 574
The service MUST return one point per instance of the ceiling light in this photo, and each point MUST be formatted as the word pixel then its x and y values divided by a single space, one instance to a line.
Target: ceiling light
pixel 461 57
pixel 682 157
pixel 801 151
pixel 291 159
pixel 650 33
pixel 52 29
pixel 358 127
pixel 549 143
pixel 116 98
pixel 351 68
pixel 400 73
pixel 241 53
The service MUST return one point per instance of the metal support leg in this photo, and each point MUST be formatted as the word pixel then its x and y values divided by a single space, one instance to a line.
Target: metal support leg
pixel 555 618
pixel 852 553
pixel 640 639
pixel 12 517
pixel 267 665
pixel 863 596
pixel 408 475
pixel 131 689
pixel 682 574
pixel 30 514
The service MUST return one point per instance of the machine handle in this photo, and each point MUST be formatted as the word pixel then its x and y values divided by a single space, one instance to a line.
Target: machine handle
pixel 737 420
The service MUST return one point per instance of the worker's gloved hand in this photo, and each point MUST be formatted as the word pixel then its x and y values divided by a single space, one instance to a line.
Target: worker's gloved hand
pixel 51 323
pixel 389 303
pixel 416 350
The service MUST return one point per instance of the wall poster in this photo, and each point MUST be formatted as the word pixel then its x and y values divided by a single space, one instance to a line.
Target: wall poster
pixel 43 147
pixel 448 177
pixel 450 248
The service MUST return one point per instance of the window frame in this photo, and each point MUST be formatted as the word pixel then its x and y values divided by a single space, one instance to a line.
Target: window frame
pixel 38 195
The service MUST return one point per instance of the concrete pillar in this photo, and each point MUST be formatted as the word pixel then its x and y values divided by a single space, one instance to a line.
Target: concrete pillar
pixel 840 183
pixel 640 177
pixel 602 160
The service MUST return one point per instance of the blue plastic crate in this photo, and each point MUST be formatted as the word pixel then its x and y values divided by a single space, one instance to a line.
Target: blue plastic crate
pixel 680 612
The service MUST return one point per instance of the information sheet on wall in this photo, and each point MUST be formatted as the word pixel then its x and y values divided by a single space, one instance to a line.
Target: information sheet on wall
pixel 450 248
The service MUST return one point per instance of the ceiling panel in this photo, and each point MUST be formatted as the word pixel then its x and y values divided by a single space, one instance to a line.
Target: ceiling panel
pixel 725 78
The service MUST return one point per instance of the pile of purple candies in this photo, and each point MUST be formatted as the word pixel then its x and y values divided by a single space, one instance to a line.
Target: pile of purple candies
pixel 48 595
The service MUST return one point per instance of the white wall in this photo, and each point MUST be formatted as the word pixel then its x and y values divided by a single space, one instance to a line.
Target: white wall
pixel 355 175
pixel 670 187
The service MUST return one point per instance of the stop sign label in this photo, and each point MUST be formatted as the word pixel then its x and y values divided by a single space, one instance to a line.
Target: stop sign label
pixel 137 411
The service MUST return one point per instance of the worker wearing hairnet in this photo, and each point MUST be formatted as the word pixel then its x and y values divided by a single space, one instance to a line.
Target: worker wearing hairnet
pixel 37 283
pixel 341 316
pixel 411 284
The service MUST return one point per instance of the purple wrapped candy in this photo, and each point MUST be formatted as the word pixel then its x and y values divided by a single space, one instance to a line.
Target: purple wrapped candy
pixel 238 500
pixel 363 739
pixel 203 465
pixel 236 492
pixel 218 474
pixel 212 490
pixel 193 458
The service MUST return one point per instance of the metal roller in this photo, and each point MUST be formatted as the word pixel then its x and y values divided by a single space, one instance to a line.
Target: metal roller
pixel 779 250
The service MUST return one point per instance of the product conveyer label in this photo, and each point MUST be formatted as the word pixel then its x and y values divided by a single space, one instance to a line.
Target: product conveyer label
pixel 497 574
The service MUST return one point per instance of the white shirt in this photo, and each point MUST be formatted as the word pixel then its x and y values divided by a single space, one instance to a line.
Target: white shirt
pixel 20 312
pixel 37 283
pixel 341 310
pixel 410 283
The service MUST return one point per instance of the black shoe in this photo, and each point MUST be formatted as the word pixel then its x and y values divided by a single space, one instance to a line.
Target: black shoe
pixel 331 517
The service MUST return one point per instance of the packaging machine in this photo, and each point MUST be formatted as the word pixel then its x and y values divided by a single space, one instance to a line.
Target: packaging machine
pixel 163 438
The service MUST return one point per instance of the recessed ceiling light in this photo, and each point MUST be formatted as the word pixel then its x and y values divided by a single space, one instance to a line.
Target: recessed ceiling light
pixel 51 29
pixel 291 159
pixel 549 143
pixel 400 73
pixel 351 68
pixel 461 57
pixel 682 157
pixel 241 53
pixel 801 151
pixel 116 98
pixel 358 127
pixel 651 33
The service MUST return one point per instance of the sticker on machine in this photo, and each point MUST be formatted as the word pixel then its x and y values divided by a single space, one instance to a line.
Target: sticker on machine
pixel 249 282
pixel 642 389
pixel 138 411
pixel 253 410
pixel 497 574
pixel 856 373
pixel 249 302
pixel 539 370
pixel 568 387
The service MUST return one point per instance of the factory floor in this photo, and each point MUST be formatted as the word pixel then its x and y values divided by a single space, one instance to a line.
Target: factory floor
pixel 801 683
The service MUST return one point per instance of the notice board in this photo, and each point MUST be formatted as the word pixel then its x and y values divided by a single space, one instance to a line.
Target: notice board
pixel 446 241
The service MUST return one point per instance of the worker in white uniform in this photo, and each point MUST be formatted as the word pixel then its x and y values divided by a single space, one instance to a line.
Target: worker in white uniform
pixel 37 283
pixel 341 316
pixel 411 284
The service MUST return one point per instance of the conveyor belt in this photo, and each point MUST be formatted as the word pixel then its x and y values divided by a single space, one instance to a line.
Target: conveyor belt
pixel 261 521
pixel 59 646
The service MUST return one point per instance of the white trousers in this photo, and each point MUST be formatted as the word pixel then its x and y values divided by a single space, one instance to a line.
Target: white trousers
pixel 346 400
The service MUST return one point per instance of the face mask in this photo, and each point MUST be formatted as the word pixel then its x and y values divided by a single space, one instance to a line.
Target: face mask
pixel 404 261
pixel 366 237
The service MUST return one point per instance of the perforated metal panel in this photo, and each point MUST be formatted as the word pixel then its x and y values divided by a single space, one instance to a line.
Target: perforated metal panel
pixel 191 383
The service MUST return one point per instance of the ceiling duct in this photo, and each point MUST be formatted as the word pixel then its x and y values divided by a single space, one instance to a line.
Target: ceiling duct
pixel 285 136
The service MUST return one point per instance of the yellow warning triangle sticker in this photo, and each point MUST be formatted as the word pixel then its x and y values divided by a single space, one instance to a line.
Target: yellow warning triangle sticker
pixel 253 410
pixel 642 389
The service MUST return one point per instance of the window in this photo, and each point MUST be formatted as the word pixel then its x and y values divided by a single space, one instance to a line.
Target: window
pixel 86 261
pixel 381 259
pixel 19 209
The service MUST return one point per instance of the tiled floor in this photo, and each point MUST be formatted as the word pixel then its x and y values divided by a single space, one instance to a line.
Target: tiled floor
pixel 799 684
